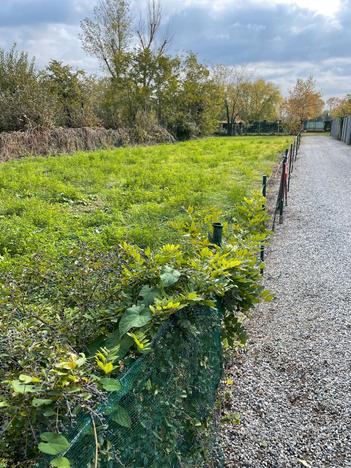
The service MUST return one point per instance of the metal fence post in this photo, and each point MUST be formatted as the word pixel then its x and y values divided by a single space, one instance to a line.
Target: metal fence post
pixel 291 164
pixel 264 194
pixel 217 234
pixel 283 195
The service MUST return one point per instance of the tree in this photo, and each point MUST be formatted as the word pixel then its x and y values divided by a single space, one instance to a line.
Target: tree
pixel 232 82
pixel 263 100
pixel 304 102
pixel 246 99
pixel 107 36
pixel 339 107
pixel 199 100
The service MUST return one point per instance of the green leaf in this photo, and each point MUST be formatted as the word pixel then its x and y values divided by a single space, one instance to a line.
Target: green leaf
pixel 19 387
pixel 37 402
pixel 170 276
pixel 3 404
pixel 121 417
pixel 267 296
pixel 110 385
pixel 60 462
pixel 135 317
pixel 53 444
pixel 149 295
pixel 28 379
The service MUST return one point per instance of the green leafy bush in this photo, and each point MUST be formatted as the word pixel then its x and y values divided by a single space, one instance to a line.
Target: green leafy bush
pixel 70 328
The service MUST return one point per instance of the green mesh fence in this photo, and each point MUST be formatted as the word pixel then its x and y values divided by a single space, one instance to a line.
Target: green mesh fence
pixel 169 395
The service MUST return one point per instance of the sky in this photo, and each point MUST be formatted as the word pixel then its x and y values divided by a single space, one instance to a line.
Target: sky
pixel 278 40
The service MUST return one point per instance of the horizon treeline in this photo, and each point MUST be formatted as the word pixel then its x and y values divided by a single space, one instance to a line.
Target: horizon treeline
pixel 142 85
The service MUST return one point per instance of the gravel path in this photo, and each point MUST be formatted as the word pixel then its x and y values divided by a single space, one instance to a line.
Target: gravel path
pixel 292 386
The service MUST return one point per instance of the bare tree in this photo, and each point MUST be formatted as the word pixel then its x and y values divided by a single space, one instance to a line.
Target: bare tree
pixel 148 29
pixel 107 36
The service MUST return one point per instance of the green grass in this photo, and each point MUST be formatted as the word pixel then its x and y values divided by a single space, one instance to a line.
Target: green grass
pixel 135 194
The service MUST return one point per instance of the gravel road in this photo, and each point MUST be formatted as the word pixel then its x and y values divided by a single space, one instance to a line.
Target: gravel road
pixel 292 386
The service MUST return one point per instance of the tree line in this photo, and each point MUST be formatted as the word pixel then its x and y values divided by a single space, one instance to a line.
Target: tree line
pixel 142 84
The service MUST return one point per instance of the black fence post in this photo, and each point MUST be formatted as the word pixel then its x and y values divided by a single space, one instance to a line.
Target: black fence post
pixel 217 234
pixel 283 191
pixel 291 164
pixel 264 194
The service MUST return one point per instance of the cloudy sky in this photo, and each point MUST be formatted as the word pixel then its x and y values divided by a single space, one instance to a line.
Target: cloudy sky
pixel 279 40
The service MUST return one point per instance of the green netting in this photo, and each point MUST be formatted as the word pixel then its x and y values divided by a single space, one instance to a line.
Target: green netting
pixel 169 395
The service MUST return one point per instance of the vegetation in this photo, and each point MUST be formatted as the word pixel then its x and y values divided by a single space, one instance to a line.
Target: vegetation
pixel 340 107
pixel 304 103
pixel 246 98
pixel 142 83
pixel 80 301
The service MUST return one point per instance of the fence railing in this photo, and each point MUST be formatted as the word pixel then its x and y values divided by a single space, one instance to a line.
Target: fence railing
pixel 286 170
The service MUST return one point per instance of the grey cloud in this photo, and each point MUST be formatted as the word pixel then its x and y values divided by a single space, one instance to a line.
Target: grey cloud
pixel 281 42
pixel 259 32
pixel 32 12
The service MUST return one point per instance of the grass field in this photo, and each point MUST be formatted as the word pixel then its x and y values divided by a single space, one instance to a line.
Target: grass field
pixel 136 194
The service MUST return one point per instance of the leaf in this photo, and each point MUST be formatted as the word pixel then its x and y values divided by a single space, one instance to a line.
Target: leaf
pixel 149 295
pixel 106 367
pixel 267 296
pixel 121 416
pixel 135 317
pixel 143 344
pixel 110 385
pixel 193 296
pixel 60 462
pixel 53 444
pixel 170 276
pixel 37 402
pixel 19 387
pixel 4 404
pixel 28 379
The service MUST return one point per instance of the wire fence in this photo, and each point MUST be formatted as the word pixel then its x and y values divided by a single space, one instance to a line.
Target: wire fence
pixel 168 394
pixel 286 168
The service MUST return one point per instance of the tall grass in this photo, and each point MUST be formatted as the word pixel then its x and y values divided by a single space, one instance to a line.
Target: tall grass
pixel 136 194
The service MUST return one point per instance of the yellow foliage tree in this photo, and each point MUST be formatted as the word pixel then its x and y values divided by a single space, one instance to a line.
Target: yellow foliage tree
pixel 304 103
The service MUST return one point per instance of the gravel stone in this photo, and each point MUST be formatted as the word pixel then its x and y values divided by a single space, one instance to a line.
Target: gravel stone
pixel 293 381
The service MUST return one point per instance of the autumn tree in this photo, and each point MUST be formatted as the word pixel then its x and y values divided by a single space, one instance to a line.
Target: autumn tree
pixel 303 103
pixel 339 107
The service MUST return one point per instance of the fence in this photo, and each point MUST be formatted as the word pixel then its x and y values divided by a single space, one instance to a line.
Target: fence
pixel 341 129
pixel 253 128
pixel 287 168
pixel 168 396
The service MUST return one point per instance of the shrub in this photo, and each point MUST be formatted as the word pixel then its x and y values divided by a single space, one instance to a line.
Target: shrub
pixel 68 328
pixel 24 104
